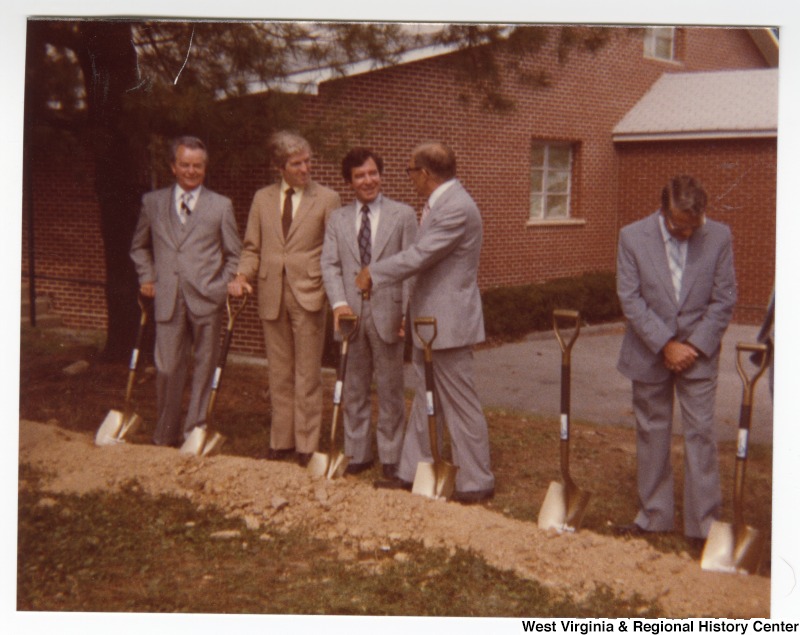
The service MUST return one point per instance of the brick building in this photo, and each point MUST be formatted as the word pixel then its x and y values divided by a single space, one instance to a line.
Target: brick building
pixel 554 176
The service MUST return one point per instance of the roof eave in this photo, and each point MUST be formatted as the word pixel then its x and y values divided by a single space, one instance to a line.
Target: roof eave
pixel 698 135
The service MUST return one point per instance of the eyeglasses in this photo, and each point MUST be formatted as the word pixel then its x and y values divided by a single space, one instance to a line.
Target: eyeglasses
pixel 685 229
pixel 410 170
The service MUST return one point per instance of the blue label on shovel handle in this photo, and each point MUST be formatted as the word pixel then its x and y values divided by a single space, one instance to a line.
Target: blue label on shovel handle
pixel 429 402
pixel 134 359
pixel 215 381
pixel 741 448
pixel 564 427
pixel 337 392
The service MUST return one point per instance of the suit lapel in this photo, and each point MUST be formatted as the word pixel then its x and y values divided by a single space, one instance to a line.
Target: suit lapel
pixel 694 264
pixel 349 231
pixel 168 218
pixel 385 229
pixel 658 255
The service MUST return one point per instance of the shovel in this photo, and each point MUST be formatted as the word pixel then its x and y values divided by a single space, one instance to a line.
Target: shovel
pixel 117 426
pixel 435 480
pixel 199 443
pixel 564 504
pixel 333 464
pixel 737 548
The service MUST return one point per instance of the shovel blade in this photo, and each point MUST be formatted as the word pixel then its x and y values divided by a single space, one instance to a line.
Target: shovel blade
pixel 115 428
pixel 330 467
pixel 437 482
pixel 729 549
pixel 195 442
pixel 563 508
pixel 109 429
pixel 213 445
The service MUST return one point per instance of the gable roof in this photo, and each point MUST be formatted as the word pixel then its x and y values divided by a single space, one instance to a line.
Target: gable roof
pixel 718 104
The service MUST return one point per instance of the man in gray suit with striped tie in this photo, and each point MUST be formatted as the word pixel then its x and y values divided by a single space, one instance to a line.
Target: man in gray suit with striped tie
pixel 368 230
pixel 444 258
pixel 677 287
pixel 186 249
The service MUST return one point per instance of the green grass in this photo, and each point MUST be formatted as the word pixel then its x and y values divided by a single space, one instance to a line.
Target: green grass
pixel 129 552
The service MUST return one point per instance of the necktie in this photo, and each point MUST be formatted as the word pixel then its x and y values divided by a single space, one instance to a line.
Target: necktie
pixel 425 211
pixel 286 219
pixel 675 265
pixel 185 210
pixel 365 237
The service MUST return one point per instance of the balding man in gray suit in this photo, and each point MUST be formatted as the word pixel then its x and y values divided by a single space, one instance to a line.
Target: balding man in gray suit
pixel 444 259
pixel 677 287
pixel 186 249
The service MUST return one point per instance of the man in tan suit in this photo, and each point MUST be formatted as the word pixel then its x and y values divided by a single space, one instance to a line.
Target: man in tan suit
pixel 282 246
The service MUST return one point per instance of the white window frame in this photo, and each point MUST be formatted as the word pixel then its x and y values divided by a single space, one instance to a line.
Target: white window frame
pixel 653 35
pixel 548 182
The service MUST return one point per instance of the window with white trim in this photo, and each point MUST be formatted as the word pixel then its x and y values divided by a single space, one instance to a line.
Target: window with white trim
pixel 659 42
pixel 551 180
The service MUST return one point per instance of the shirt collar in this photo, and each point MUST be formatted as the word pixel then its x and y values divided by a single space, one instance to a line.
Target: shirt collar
pixel 439 191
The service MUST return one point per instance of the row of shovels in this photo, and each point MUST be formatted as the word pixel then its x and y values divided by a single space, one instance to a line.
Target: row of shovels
pixel 436 480
pixel 730 547
pixel 120 425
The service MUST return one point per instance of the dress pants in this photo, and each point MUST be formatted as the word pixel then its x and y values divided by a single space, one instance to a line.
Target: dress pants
pixel 457 404
pixel 175 340
pixel 294 343
pixel 702 497
pixel 368 353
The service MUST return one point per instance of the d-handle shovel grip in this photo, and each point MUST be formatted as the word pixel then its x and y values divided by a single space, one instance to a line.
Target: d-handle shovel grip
pixel 419 323
pixel 764 359
pixel 575 318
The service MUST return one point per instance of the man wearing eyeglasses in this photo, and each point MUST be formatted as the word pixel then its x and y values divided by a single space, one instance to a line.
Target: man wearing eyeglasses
pixel 444 261
pixel 677 287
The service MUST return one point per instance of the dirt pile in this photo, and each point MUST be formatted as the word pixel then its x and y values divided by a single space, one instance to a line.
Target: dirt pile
pixel 356 516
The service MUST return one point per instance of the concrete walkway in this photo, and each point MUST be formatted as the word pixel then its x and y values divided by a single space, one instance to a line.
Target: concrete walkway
pixel 526 376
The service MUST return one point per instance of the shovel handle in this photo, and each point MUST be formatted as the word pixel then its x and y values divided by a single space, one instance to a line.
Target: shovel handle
pixel 426 343
pixel 566 314
pixel 749 382
pixel 144 304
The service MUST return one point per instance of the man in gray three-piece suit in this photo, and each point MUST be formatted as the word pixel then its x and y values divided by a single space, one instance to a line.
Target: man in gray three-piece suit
pixel 186 249
pixel 676 284
pixel 372 228
pixel 444 258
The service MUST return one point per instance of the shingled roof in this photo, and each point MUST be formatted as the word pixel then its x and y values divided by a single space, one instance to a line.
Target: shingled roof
pixel 705 105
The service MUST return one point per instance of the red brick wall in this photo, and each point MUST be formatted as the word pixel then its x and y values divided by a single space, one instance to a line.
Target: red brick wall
pixel 740 177
pixel 394 109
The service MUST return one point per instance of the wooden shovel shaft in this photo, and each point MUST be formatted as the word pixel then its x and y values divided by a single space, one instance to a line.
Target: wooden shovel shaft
pixel 134 361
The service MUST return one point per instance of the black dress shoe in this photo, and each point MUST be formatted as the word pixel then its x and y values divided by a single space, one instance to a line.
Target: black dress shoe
pixel 357 468
pixel 631 529
pixel 476 496
pixel 278 455
pixel 390 470
pixel 392 483
pixel 303 458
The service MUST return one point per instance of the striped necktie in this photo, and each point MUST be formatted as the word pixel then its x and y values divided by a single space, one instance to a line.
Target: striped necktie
pixel 185 211
pixel 675 265
pixel 365 237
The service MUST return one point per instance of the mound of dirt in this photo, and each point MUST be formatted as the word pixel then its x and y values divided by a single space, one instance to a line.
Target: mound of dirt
pixel 354 514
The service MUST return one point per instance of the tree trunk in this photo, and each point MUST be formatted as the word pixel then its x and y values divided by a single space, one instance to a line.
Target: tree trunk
pixel 108 59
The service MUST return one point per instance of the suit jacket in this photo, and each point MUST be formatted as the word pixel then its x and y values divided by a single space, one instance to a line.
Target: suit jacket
pixel 198 260
pixel 267 254
pixel 644 286
pixel 445 259
pixel 341 262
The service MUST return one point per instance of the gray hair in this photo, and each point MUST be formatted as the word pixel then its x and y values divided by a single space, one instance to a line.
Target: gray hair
pixel 189 142
pixel 284 144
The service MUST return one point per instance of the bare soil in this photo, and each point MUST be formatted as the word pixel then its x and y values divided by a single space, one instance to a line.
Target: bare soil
pixel 352 514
